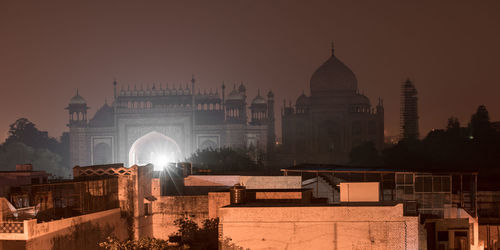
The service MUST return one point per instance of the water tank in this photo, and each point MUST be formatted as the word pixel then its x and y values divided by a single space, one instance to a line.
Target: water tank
pixel 237 194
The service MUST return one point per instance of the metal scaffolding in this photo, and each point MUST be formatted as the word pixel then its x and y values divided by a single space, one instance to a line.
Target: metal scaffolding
pixel 409 111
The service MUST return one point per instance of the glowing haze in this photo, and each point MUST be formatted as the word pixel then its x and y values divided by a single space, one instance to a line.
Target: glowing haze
pixel 50 48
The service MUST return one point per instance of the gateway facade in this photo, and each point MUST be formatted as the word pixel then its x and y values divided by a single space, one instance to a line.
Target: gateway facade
pixel 161 124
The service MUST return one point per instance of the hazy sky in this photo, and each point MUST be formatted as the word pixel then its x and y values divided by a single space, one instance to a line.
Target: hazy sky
pixel 451 50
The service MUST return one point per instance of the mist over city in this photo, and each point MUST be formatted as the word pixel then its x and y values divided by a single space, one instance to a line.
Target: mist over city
pixel 249 125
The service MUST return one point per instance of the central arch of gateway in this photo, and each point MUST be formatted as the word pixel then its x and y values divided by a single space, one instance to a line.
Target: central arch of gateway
pixel 155 148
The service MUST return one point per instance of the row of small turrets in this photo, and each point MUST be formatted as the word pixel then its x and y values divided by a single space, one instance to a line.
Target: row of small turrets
pixel 262 110
pixel 234 107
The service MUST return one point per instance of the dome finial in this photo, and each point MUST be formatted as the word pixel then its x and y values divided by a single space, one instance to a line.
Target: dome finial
pixel 333 49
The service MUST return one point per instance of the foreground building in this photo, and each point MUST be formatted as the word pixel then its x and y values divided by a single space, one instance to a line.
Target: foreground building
pixel 310 206
pixel 446 203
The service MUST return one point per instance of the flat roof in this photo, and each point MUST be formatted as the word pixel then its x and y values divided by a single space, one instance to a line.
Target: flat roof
pixel 267 203
pixel 331 168
pixel 24 172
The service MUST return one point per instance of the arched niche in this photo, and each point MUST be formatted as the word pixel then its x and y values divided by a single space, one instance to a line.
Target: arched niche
pixel 102 154
pixel 155 148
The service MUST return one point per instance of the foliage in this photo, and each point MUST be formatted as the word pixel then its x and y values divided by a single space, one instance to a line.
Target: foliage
pixel 194 237
pixel 24 131
pixel 113 243
pixel 476 147
pixel 227 244
pixel 365 154
pixel 480 124
pixel 27 144
pixel 189 236
pixel 224 160
pixel 84 235
pixel 41 158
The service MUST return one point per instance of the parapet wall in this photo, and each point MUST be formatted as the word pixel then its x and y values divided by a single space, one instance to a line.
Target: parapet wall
pixel 80 232
pixel 319 227
pixel 250 182
pixel 167 209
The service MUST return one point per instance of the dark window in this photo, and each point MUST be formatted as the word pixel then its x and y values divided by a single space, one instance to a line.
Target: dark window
pixel 419 184
pixel 372 128
pixel 445 184
pixel 400 179
pixel 35 181
pixel 357 128
pixel 443 236
pixel 408 178
pixel 408 190
pixel 427 184
pixel 146 209
pixel 436 184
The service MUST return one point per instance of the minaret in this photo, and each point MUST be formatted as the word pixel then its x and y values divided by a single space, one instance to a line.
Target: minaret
pixel 193 110
pixel 243 109
pixel 224 99
pixel 114 88
pixel 409 111
pixel 271 136
pixel 380 124
pixel 77 110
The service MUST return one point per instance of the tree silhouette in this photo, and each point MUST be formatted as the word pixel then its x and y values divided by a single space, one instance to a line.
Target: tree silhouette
pixel 365 155
pixel 223 160
pixel 26 144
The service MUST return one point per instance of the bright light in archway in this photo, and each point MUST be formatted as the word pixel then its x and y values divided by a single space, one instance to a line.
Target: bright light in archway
pixel 160 161
pixel 154 148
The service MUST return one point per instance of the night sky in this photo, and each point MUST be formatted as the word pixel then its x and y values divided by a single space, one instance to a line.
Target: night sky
pixel 451 49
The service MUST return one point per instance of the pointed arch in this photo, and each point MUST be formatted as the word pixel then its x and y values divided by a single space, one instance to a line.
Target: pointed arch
pixel 155 148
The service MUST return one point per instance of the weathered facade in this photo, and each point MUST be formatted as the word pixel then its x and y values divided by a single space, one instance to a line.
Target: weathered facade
pixel 325 126
pixel 160 124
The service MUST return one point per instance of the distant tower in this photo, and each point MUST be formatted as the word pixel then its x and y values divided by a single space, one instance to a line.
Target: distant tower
pixel 258 110
pixel 271 136
pixel 114 88
pixel 409 111
pixel 77 110
pixel 235 105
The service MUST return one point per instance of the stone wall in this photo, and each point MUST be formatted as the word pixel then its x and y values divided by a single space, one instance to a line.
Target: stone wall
pixel 318 227
pixel 489 236
pixel 250 182
pixel 167 209
pixel 216 200
pixel 81 232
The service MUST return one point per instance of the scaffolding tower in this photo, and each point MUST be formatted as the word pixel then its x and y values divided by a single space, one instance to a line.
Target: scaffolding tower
pixel 409 111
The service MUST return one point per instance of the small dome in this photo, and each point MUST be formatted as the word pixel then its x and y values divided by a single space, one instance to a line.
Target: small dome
pixel 242 88
pixel 270 94
pixel 103 117
pixel 303 100
pixel 259 99
pixel 360 99
pixel 235 95
pixel 77 99
pixel 333 75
